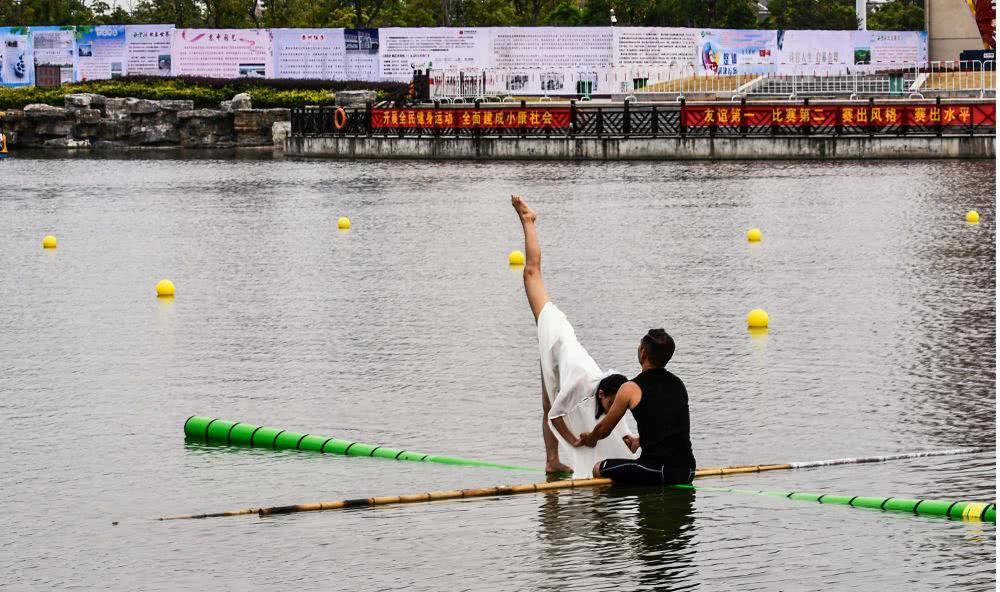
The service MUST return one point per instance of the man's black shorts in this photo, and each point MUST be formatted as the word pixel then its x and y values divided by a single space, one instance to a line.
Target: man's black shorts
pixel 642 471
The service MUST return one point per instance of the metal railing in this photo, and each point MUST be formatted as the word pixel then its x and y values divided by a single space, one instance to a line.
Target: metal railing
pixel 741 118
pixel 689 80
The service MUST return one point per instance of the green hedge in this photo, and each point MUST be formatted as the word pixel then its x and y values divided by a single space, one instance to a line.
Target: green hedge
pixel 205 93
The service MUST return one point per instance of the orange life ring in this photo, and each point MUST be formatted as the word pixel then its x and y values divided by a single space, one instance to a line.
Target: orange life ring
pixel 339 118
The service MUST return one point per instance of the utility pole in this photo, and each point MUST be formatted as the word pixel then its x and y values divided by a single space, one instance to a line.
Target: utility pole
pixel 861 10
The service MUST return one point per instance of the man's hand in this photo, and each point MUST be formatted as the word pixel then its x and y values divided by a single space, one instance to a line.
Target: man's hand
pixel 632 442
pixel 587 439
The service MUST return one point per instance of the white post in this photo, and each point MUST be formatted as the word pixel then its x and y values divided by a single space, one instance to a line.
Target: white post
pixel 861 9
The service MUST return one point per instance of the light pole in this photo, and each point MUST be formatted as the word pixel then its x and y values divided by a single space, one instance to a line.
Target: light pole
pixel 614 19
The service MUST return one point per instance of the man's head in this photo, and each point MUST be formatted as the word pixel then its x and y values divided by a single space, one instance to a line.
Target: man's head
pixel 606 391
pixel 656 348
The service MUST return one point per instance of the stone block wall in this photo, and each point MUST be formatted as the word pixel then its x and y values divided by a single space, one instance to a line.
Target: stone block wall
pixel 94 121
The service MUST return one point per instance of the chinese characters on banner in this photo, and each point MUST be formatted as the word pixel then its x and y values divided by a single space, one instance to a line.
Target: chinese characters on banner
pixel 848 115
pixel 556 118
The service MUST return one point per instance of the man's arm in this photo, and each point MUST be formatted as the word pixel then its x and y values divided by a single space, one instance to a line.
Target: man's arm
pixel 627 397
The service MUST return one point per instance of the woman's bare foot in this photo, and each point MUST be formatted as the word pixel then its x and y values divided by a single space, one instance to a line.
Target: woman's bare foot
pixel 556 467
pixel 523 211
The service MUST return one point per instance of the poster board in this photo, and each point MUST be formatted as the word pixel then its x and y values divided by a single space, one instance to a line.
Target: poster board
pixel 309 54
pixel 221 53
pixel 147 49
pixel 442 48
pixel 16 59
pixel 55 46
pixel 100 52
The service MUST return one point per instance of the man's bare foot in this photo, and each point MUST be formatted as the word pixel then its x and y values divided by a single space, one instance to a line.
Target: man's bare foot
pixel 523 211
pixel 556 467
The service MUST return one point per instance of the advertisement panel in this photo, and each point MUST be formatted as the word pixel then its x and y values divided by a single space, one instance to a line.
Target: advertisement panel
pixel 887 50
pixel 654 46
pixel 54 46
pixel 100 52
pixel 361 48
pixel 221 53
pixel 734 52
pixel 309 53
pixel 551 48
pixel 815 52
pixel 147 49
pixel 16 61
pixel 441 48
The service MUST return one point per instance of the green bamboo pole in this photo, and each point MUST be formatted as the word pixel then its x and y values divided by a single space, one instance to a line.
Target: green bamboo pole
pixel 963 510
pixel 210 430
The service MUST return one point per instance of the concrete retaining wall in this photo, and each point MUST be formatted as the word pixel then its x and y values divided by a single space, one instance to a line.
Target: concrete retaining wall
pixel 778 148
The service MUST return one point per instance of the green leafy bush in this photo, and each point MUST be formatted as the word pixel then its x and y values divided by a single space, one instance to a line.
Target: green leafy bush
pixel 205 92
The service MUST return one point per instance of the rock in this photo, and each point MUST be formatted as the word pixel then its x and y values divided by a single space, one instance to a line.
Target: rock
pixel 176 105
pixel 44 112
pixel 280 131
pixel 87 115
pixel 116 108
pixel 110 129
pixel 54 127
pixel 253 127
pixel 241 101
pixel 141 106
pixel 154 135
pixel 66 143
pixel 203 114
pixel 83 101
pixel 354 98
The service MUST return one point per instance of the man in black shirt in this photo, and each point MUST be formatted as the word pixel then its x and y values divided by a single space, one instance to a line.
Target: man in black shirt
pixel 658 401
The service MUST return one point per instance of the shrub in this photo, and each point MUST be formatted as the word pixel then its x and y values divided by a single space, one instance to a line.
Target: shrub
pixel 205 92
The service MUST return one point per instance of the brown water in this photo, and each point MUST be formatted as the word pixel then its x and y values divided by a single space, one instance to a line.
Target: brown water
pixel 411 331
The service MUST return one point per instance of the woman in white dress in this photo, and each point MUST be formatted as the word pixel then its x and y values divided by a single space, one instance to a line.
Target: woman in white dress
pixel 575 392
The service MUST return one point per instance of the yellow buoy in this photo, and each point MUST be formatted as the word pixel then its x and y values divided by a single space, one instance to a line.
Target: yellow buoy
pixel 754 235
pixel 49 242
pixel 972 217
pixel 516 258
pixel 343 222
pixel 757 319
pixel 164 289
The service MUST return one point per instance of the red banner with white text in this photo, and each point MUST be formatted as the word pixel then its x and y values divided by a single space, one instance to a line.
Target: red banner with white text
pixel 847 115
pixel 514 118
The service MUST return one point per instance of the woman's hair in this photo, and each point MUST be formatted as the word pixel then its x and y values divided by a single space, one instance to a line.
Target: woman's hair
pixel 610 385
pixel 659 347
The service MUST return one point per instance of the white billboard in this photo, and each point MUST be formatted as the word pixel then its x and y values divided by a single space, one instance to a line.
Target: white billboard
pixel 147 49
pixel 309 54
pixel 222 53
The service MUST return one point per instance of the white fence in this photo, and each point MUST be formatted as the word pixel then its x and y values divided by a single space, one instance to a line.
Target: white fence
pixel 679 80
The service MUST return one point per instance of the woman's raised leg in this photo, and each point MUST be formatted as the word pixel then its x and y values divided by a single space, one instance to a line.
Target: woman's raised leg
pixel 534 285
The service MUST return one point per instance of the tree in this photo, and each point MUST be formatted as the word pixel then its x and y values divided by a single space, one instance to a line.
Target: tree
pixel 897 15
pixel 710 14
pixel 820 15
pixel 566 14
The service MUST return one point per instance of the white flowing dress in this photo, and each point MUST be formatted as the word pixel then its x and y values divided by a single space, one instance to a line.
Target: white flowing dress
pixel 571 377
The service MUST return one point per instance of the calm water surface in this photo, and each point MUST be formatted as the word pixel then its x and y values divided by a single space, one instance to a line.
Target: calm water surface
pixel 410 330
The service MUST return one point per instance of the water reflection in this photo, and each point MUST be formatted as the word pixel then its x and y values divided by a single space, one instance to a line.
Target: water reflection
pixel 636 537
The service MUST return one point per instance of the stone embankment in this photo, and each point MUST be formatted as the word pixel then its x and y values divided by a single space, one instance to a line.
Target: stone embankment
pixel 95 121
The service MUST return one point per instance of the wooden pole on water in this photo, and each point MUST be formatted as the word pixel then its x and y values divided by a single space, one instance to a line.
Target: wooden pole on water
pixel 552 485
pixel 462 493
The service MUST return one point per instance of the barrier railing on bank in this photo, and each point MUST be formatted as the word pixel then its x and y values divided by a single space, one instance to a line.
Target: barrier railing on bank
pixel 742 118
pixel 677 80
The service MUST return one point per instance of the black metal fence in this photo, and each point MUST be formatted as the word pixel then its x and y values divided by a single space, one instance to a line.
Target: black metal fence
pixel 630 120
